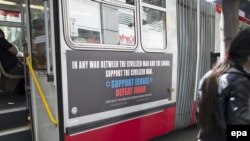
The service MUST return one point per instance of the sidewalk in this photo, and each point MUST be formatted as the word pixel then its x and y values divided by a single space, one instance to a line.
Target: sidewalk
pixel 186 134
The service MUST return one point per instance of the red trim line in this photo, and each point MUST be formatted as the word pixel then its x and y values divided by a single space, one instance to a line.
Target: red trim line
pixel 139 129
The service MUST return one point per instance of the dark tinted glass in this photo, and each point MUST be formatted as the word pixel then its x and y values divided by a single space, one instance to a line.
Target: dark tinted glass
pixel 161 3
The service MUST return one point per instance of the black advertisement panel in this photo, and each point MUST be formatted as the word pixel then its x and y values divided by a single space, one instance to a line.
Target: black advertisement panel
pixel 102 81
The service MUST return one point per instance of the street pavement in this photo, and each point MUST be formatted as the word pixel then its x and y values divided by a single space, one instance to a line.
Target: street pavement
pixel 186 134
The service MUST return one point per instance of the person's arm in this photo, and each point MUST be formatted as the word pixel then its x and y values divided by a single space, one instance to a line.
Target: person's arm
pixel 220 102
pixel 13 50
pixel 8 46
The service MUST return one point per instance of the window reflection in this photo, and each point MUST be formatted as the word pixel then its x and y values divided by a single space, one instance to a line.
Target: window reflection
pixel 153 29
pixel 117 28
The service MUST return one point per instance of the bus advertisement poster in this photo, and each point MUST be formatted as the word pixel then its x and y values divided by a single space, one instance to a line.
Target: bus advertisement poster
pixel 104 81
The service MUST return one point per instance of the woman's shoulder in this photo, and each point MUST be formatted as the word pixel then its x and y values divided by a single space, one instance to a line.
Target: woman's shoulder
pixel 234 74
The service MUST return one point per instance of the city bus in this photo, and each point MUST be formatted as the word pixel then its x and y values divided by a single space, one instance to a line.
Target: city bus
pixel 104 70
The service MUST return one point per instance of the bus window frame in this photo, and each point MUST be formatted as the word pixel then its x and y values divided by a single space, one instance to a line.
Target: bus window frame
pixel 93 46
pixel 146 5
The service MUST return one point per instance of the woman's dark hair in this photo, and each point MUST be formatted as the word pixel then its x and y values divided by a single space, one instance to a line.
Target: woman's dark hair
pixel 1 31
pixel 237 54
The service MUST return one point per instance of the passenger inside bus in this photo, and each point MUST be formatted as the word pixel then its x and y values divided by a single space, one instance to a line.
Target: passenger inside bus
pixel 88 36
pixel 39 43
pixel 12 69
pixel 92 38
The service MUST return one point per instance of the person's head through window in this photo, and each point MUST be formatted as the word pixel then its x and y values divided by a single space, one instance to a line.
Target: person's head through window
pixel 92 37
pixel 38 27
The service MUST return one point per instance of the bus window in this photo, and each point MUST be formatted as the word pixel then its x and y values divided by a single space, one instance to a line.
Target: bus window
pixel 161 3
pixel 88 36
pixel 100 23
pixel 10 16
pixel 122 1
pixel 14 36
pixel 153 27
pixel 10 22
pixel 38 37
pixel 38 43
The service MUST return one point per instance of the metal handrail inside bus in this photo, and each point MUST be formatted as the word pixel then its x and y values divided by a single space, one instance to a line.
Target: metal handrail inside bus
pixel 41 93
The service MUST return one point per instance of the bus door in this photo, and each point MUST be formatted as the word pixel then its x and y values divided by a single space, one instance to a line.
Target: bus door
pixel 41 84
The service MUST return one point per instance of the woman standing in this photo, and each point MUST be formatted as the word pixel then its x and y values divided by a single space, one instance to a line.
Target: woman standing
pixel 224 92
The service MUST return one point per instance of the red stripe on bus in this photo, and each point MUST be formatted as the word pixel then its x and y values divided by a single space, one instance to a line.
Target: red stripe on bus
pixel 193 113
pixel 139 129
pixel 244 20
